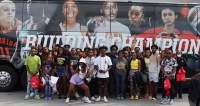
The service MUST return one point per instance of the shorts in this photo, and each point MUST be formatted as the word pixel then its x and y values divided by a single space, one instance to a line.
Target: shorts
pixel 76 80
pixel 103 80
pixel 153 77
pixel 61 71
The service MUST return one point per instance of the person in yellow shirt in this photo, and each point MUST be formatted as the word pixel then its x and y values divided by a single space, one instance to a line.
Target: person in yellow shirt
pixel 135 67
pixel 33 64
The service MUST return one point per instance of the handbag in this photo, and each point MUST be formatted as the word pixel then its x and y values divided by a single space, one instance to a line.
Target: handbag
pixel 180 76
pixel 167 84
pixel 35 82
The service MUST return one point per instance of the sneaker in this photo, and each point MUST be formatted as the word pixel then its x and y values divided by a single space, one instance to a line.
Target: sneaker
pixel 92 98
pixel 26 97
pixel 49 97
pixel 122 97
pixel 83 98
pixel 32 94
pixel 132 97
pixel 87 100
pixel 98 99
pixel 170 101
pixel 42 95
pixel 46 97
pixel 77 95
pixel 67 100
pixel 37 97
pixel 136 97
pixel 118 98
pixel 105 100
pixel 162 101
pixel 153 98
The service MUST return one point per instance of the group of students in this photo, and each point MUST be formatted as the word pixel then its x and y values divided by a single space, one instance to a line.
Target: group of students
pixel 99 73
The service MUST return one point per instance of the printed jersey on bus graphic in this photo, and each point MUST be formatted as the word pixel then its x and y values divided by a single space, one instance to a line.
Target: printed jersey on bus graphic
pixel 8 42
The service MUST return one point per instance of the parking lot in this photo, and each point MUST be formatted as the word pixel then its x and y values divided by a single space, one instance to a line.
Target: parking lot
pixel 16 98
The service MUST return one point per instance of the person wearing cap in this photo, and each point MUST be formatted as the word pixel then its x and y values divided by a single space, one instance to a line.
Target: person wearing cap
pixel 81 72
pixel 103 64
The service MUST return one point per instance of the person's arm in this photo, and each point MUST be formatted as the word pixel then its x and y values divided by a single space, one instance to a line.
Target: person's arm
pixel 173 71
pixel 109 65
pixel 27 68
pixel 139 66
pixel 174 68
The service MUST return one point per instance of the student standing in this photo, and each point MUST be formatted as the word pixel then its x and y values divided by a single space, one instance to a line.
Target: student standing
pixel 33 64
pixel 103 65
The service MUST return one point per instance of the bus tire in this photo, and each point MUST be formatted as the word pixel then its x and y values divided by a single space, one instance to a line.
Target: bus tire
pixel 8 78
pixel 24 79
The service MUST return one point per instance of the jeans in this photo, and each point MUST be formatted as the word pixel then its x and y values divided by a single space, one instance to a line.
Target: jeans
pixel 47 87
pixel 120 80
pixel 29 88
pixel 134 83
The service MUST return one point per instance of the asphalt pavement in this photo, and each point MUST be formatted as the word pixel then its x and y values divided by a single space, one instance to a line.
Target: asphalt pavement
pixel 16 98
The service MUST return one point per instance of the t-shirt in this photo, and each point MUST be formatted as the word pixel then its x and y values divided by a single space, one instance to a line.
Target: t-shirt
pixel 147 62
pixel 103 63
pixel 109 30
pixel 154 65
pixel 32 62
pixel 48 67
pixel 73 60
pixel 90 63
pixel 8 42
pixel 169 64
pixel 120 66
pixel 60 61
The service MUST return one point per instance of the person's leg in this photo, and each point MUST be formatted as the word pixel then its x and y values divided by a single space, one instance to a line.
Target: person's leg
pixel 105 86
pixel 60 87
pixel 70 91
pixel 92 87
pixel 163 92
pixel 117 78
pixel 86 89
pixel 111 85
pixel 150 85
pixel 100 89
pixel 131 87
pixel 28 86
pixel 172 89
pixel 180 89
pixel 64 86
pixel 123 78
pixel 176 88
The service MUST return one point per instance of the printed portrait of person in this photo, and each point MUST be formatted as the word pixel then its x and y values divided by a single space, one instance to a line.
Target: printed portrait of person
pixel 107 25
pixel 138 22
pixel 171 25
pixel 8 26
pixel 193 18
pixel 38 23
pixel 70 26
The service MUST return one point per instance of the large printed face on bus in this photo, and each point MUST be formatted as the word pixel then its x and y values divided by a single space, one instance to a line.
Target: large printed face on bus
pixel 7 12
pixel 70 11
pixel 109 9
pixel 136 15
pixel 169 16
pixel 35 8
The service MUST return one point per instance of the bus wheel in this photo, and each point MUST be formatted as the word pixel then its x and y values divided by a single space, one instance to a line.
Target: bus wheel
pixel 24 79
pixel 8 78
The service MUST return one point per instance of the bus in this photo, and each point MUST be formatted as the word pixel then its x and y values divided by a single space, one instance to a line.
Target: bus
pixel 94 23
